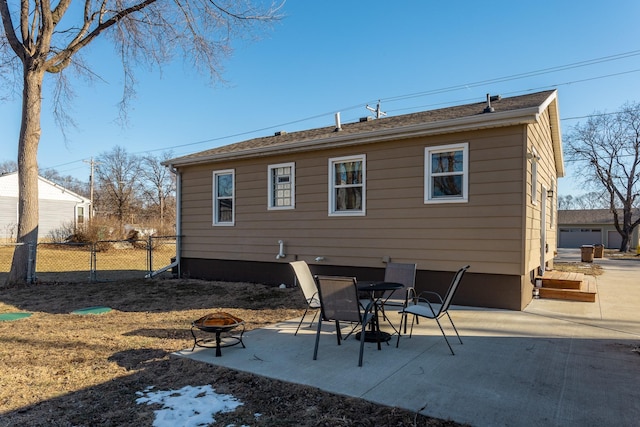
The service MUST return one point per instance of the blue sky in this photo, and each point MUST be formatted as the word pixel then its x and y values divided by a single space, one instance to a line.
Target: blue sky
pixel 329 56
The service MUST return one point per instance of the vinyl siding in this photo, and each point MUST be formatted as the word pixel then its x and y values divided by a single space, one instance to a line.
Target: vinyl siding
pixel 53 215
pixel 539 136
pixel 486 232
pixel 57 206
pixel 8 217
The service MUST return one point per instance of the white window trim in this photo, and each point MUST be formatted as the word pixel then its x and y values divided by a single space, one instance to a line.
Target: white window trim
pixel 84 215
pixel 215 197
pixel 534 176
pixel 270 205
pixel 332 201
pixel 428 196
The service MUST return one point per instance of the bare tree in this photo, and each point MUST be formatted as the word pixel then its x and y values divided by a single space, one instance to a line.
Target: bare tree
pixel 592 200
pixel 118 176
pixel 565 202
pixel 67 181
pixel 607 151
pixel 8 166
pixel 40 37
pixel 159 186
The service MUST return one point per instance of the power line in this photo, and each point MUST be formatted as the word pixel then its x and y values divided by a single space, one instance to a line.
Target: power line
pixel 450 89
pixel 461 101
pixel 518 76
pixel 453 88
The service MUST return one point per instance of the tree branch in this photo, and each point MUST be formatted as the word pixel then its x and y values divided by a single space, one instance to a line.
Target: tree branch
pixel 62 60
pixel 246 16
pixel 12 37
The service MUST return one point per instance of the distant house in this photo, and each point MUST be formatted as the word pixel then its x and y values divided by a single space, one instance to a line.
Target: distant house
pixel 57 205
pixel 591 227
pixel 471 184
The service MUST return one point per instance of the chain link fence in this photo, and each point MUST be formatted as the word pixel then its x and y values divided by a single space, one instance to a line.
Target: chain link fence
pixel 105 260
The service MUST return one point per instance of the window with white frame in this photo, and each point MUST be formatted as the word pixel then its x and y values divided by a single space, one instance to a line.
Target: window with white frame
pixel 80 215
pixel 347 191
pixel 223 197
pixel 447 173
pixel 281 186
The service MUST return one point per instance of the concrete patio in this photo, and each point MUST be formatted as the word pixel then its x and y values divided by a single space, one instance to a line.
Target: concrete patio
pixel 558 363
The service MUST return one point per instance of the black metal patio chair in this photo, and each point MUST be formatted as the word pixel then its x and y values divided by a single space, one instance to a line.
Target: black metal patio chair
pixel 434 307
pixel 405 274
pixel 339 303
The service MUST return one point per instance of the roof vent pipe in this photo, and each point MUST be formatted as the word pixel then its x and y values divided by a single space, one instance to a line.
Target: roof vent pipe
pixel 489 108
pixel 338 125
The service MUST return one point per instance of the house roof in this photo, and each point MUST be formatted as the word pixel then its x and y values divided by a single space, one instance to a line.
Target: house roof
pixel 524 109
pixel 47 190
pixel 588 216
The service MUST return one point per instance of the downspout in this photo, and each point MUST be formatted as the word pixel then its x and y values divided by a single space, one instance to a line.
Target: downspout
pixel 175 263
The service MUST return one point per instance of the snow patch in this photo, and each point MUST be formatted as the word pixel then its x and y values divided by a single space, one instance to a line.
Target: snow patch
pixel 189 406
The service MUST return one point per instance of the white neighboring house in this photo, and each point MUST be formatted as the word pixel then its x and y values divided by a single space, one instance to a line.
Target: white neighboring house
pixel 58 206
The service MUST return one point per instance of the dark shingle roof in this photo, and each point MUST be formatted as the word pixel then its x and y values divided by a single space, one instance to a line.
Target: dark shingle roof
pixel 504 105
pixel 589 216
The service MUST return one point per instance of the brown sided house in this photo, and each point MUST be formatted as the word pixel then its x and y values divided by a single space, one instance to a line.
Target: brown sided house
pixel 472 184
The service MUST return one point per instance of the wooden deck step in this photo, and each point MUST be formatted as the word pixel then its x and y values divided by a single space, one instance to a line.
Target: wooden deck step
pixel 586 292
pixel 562 280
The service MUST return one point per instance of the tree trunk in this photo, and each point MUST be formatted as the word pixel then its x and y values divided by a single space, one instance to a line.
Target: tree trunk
pixel 625 245
pixel 28 172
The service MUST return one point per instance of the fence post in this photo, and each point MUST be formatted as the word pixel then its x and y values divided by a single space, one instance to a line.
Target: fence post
pixel 149 256
pixel 31 264
pixel 92 262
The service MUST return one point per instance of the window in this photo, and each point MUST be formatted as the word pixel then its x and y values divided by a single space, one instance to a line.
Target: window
pixel 282 186
pixel 447 174
pixel 347 185
pixel 80 216
pixel 223 197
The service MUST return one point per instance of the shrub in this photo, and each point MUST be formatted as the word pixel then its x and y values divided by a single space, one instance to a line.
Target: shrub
pixel 62 234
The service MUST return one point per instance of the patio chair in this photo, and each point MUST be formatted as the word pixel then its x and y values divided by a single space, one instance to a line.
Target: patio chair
pixel 399 273
pixel 435 307
pixel 339 303
pixel 308 285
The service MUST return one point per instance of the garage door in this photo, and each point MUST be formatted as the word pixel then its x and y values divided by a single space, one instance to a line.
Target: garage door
pixel 614 240
pixel 576 237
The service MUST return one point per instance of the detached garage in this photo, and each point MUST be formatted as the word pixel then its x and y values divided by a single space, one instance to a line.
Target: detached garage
pixel 589 227
pixel 570 237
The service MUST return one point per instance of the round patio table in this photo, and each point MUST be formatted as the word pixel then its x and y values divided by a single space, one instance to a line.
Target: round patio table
pixel 376 291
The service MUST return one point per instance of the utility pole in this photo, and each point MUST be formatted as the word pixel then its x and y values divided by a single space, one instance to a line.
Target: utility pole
pixel 92 165
pixel 377 110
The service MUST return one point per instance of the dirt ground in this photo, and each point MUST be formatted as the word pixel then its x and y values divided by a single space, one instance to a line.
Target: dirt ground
pixel 63 369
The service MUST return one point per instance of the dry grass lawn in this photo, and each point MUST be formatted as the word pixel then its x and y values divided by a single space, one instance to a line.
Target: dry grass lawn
pixel 62 369
pixel 67 263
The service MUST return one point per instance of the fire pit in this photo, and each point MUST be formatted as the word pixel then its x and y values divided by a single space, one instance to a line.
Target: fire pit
pixel 217 323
